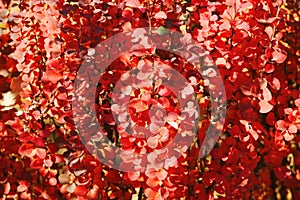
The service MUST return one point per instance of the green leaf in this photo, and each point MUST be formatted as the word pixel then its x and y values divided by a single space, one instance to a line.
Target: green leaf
pixel 162 31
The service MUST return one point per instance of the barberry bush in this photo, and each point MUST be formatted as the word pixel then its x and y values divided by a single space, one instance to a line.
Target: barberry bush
pixel 255 46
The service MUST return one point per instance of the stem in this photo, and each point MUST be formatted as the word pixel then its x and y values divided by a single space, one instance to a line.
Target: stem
pixel 150 12
pixel 272 38
pixel 140 196
pixel 149 18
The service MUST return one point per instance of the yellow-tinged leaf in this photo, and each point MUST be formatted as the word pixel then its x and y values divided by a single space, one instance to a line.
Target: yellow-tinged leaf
pixel 3 25
pixel 8 99
pixel 14 9
pixel 183 29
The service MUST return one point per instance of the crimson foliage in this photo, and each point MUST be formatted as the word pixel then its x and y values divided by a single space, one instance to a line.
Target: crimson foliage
pixel 255 45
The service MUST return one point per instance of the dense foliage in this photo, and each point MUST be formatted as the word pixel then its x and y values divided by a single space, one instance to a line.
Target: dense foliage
pixel 255 45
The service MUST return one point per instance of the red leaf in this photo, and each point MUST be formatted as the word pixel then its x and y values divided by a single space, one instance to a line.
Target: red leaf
pixel 278 56
pixel 269 68
pixel 282 173
pixel 138 104
pixel 16 124
pixel 15 84
pixel 52 181
pixel 23 185
pixel 269 31
pixel 133 175
pixel 127 13
pixel 152 182
pixel 280 125
pixel 164 91
pixel 270 119
pixel 267 94
pixel 133 3
pixel 160 15
pixel 288 137
pixel 151 194
pixel 37 163
pixel 292 128
pixel 53 76
pixel 80 190
pixel 297 103
pixel 265 106
pixel 27 150
pixel 275 84
pixel 152 142
pixel 41 153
